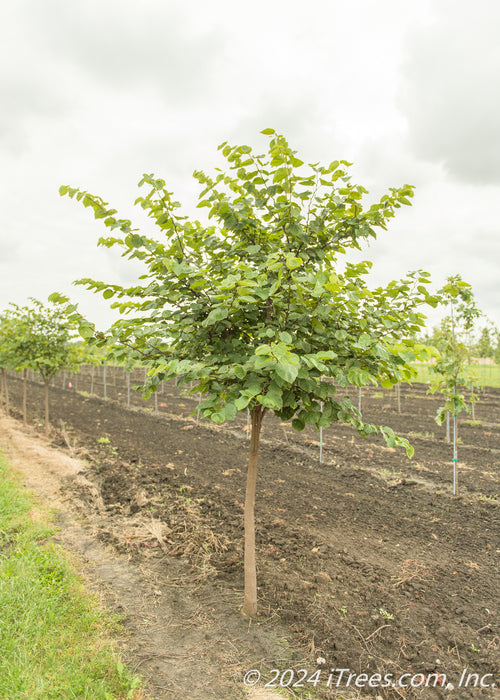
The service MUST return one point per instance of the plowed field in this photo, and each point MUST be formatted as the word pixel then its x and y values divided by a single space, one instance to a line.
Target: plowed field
pixel 366 557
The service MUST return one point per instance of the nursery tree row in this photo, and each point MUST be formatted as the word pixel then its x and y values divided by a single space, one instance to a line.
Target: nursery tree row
pixel 39 338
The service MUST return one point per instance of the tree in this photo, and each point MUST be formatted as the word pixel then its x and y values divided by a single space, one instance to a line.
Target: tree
pixel 496 355
pixel 484 346
pixel 39 338
pixel 6 359
pixel 15 330
pixel 254 306
pixel 452 371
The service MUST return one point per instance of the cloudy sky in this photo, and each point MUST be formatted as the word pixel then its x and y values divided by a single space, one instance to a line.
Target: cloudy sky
pixel 96 92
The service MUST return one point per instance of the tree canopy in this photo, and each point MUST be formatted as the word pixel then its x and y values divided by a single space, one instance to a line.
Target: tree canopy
pixel 257 308
pixel 38 337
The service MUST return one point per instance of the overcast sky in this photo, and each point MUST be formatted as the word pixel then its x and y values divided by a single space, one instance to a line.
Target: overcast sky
pixel 96 92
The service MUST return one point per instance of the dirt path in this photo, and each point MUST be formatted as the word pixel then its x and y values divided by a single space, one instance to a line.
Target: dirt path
pixel 186 638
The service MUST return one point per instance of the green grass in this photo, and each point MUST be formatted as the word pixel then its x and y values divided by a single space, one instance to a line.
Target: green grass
pixel 489 374
pixel 55 641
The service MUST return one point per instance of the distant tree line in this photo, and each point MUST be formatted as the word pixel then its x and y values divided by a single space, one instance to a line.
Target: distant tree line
pixel 484 343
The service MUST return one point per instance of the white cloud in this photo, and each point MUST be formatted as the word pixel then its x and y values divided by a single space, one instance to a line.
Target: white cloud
pixel 450 94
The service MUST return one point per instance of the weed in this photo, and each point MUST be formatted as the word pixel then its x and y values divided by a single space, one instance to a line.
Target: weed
pixel 386 615
pixel 106 441
pixel 390 474
pixel 493 498
pixel 422 436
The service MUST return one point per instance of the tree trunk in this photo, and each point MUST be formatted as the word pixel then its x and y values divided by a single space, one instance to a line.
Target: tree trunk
pixel 25 371
pixel 1 387
pixel 47 425
pixel 249 608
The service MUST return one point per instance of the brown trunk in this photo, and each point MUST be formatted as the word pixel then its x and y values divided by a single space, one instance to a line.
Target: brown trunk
pixel 25 372
pixel 1 387
pixel 249 608
pixel 47 425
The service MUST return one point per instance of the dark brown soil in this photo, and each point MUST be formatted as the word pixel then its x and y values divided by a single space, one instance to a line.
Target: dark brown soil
pixel 367 557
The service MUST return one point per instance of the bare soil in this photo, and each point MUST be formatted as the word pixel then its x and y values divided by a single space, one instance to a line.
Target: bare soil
pixel 365 559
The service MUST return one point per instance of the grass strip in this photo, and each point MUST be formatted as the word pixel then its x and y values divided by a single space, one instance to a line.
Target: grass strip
pixel 489 375
pixel 55 640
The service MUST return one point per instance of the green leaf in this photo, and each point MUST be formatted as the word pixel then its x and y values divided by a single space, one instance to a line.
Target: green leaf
pixel 271 401
pixel 242 402
pixel 86 330
pixel 287 371
pixel 263 350
pixel 326 355
pixel 365 340
pixel 293 262
pixel 298 424
pixel 215 315
pixel 286 338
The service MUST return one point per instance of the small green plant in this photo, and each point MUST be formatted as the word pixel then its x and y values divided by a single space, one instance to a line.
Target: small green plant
pixel 386 615
pixel 493 498
pixel 390 473
pixel 343 611
pixel 422 436
pixel 108 446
